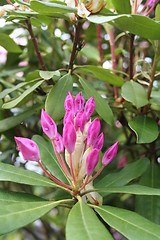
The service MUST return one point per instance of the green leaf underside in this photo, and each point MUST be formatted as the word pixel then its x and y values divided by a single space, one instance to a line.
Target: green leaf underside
pixel 9 44
pixel 131 189
pixel 124 176
pixel 145 128
pixel 48 74
pixel 130 224
pixel 18 215
pixel 133 92
pixel 13 174
pixel 16 101
pixel 83 224
pixel 55 100
pixel 103 74
pixel 102 108
pixel 48 158
pixel 11 122
pixel 135 24
pixel 149 206
pixel 7 197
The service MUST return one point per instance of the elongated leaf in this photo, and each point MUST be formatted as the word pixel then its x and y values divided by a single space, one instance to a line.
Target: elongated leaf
pixel 7 197
pixel 16 101
pixel 50 8
pixel 55 100
pixel 130 224
pixel 103 74
pixel 9 44
pixel 130 172
pixel 145 128
pixel 83 224
pixel 102 107
pixel 136 24
pixel 149 206
pixel 48 158
pixel 11 122
pixel 18 215
pixel 131 189
pixel 133 92
pixel 18 175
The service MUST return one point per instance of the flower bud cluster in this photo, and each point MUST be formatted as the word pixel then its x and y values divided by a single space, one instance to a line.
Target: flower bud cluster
pixel 81 143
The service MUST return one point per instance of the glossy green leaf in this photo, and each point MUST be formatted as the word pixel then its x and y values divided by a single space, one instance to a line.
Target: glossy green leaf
pixel 55 101
pixel 122 6
pixel 18 215
pixel 9 44
pixel 145 128
pixel 50 8
pixel 11 122
pixel 16 101
pixel 131 189
pixel 7 197
pixel 124 176
pixel 135 24
pixel 83 224
pixel 149 206
pixel 133 92
pixel 102 107
pixel 48 158
pixel 49 74
pixel 13 174
pixel 130 224
pixel 102 74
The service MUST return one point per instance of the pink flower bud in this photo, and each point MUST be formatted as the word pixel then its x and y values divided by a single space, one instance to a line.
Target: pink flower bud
pixel 59 143
pixel 69 102
pixel 92 161
pixel 69 137
pixel 122 162
pixel 110 154
pixel 79 102
pixel 48 125
pixel 99 142
pixel 69 117
pixel 28 148
pixel 89 108
pixel 80 120
pixel 93 131
pixel 151 3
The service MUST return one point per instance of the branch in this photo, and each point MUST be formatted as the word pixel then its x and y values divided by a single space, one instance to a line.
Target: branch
pixel 131 56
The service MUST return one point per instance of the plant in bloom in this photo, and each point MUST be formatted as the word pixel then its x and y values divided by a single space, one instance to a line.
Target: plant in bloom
pixel 80 144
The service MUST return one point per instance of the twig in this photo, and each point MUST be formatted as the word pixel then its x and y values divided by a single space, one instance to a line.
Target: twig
pixel 131 56
pixel 99 37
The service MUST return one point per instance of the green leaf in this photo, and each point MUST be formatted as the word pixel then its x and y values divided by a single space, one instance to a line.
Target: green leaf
pixel 122 6
pixel 83 224
pixel 124 176
pixel 11 122
pixel 102 74
pixel 129 223
pixel 50 8
pixel 145 128
pixel 13 174
pixel 18 215
pixel 55 100
pixel 102 107
pixel 49 74
pixel 48 158
pixel 16 101
pixel 9 44
pixel 7 197
pixel 133 92
pixel 131 189
pixel 149 206
pixel 135 24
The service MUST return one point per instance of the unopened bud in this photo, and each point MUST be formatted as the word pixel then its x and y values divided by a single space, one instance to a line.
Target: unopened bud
pixel 80 120
pixel 110 154
pixel 69 137
pixel 28 148
pixel 95 6
pixel 92 161
pixel 99 142
pixel 69 102
pixel 93 131
pixel 69 117
pixel 79 102
pixel 48 125
pixel 59 143
pixel 89 108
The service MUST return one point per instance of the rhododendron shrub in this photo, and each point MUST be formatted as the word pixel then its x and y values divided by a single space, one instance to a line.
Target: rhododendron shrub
pixel 79 119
